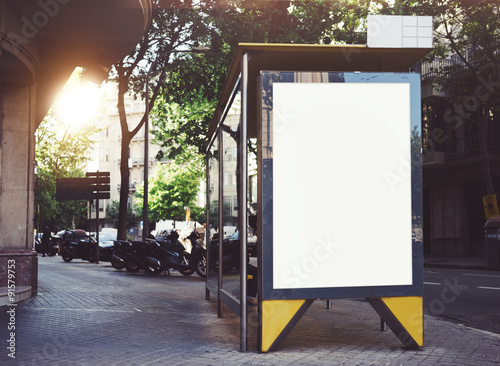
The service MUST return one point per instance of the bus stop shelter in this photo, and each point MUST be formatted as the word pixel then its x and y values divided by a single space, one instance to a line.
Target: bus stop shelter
pixel 313 166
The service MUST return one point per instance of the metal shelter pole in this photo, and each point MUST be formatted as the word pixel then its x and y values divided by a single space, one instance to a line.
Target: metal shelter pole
pixel 97 217
pixel 221 225
pixel 243 204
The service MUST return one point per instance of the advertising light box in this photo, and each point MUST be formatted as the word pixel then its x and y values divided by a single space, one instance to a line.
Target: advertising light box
pixel 341 170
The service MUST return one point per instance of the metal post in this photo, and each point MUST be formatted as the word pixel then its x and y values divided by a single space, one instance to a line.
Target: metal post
pixel 207 224
pixel 383 325
pixel 221 223
pixel 97 217
pixel 145 207
pixel 243 204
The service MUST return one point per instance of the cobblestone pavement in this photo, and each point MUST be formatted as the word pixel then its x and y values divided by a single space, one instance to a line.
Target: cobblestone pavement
pixel 88 314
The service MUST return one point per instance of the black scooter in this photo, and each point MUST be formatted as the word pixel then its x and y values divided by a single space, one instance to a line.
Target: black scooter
pixel 79 245
pixel 171 254
pixel 139 256
pixel 118 255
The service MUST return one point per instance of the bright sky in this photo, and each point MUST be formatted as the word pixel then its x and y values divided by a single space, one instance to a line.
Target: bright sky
pixel 79 103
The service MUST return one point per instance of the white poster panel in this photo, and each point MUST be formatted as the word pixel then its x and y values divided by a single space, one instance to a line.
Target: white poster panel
pixel 341 185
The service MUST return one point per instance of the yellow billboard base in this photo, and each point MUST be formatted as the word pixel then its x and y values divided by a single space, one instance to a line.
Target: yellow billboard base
pixel 403 315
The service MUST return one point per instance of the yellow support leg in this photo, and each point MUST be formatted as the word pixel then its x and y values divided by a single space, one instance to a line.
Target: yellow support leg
pixel 404 316
pixel 278 319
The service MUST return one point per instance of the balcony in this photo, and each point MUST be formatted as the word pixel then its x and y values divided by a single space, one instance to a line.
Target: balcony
pixel 138 137
pixel 469 147
pixel 462 149
pixel 131 187
pixel 440 67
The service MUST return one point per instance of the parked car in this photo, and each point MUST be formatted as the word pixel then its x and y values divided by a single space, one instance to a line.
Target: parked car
pixel 106 237
pixel 163 234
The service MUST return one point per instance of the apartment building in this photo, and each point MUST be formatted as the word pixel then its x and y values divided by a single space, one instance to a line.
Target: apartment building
pixel 107 152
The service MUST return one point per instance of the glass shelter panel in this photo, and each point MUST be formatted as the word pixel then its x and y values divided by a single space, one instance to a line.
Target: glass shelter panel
pixel 230 211
pixel 338 159
pixel 213 213
pixel 252 230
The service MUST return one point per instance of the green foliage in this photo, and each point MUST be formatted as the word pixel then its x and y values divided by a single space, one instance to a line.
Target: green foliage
pixel 171 189
pixel 198 214
pixel 112 211
pixel 190 93
pixel 467 47
pixel 60 153
pixel 176 26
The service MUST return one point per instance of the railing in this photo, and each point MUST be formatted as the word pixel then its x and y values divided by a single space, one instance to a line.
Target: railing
pixel 439 68
pixel 131 186
pixel 468 54
pixel 138 161
pixel 470 147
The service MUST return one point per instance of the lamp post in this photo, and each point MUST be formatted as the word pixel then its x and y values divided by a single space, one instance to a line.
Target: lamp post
pixel 145 208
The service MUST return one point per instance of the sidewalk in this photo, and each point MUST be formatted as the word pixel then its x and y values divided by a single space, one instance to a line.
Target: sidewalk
pixel 456 262
pixel 88 314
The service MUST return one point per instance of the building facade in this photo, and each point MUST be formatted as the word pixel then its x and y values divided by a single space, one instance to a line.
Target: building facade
pixel 454 163
pixel 107 152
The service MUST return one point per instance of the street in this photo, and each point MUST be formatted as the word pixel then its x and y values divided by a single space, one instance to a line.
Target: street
pixel 469 297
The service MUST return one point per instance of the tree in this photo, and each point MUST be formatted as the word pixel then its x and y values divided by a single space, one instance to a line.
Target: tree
pixel 172 188
pixel 472 33
pixel 469 33
pixel 175 26
pixel 112 215
pixel 191 91
pixel 60 153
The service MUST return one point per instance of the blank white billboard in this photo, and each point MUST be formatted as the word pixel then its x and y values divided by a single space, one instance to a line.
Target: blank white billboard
pixel 341 185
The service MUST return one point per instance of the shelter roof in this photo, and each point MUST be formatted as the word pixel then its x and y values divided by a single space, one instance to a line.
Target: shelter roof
pixel 295 57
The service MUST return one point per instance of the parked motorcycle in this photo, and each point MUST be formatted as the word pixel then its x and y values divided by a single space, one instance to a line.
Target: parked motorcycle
pixel 119 253
pixel 79 245
pixel 172 254
pixel 139 256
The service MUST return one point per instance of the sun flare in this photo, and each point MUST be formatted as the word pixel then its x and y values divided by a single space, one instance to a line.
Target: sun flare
pixel 79 103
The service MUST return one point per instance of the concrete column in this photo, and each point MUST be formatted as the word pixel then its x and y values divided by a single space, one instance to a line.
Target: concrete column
pixel 17 188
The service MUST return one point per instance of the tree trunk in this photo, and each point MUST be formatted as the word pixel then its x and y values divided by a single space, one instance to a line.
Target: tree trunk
pixel 124 189
pixel 124 172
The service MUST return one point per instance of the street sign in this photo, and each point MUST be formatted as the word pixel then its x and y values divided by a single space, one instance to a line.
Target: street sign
pixel 95 186
pixel 68 196
pixel 63 188
pixel 490 206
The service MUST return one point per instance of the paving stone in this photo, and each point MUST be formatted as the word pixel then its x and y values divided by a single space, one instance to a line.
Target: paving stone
pixel 87 314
